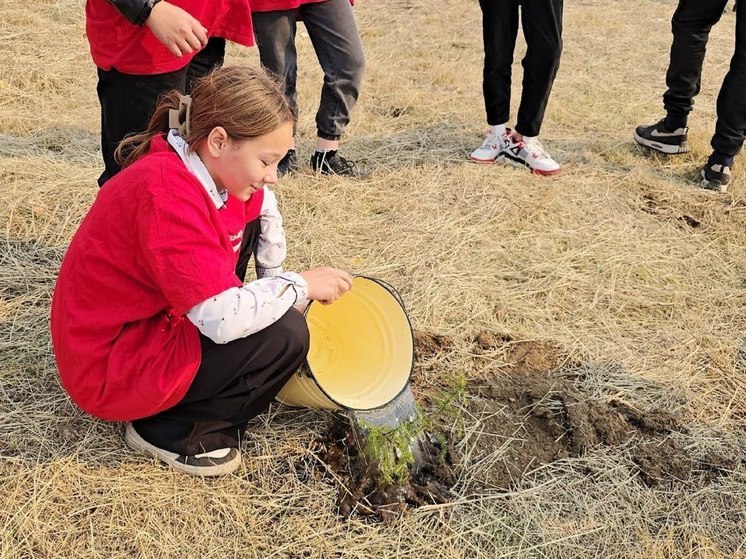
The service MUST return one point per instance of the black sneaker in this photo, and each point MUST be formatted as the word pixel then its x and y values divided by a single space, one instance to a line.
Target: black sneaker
pixel 329 163
pixel 214 463
pixel 658 137
pixel 288 164
pixel 715 176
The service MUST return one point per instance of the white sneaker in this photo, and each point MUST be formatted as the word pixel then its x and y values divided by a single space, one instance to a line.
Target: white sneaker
pixel 213 463
pixel 491 149
pixel 531 154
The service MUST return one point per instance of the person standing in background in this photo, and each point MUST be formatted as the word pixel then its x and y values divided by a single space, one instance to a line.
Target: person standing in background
pixel 335 37
pixel 691 25
pixel 145 48
pixel 542 28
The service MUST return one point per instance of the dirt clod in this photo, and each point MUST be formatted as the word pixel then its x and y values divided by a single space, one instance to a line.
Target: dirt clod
pixel 428 344
pixel 661 461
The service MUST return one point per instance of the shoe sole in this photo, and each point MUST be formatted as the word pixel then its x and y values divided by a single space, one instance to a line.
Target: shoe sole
pixel 483 161
pixel 714 187
pixel 663 148
pixel 136 442
pixel 522 164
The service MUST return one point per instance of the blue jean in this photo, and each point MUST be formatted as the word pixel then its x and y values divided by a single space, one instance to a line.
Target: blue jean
pixel 334 34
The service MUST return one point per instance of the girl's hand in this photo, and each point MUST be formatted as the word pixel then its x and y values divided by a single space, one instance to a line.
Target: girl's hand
pixel 326 284
pixel 179 32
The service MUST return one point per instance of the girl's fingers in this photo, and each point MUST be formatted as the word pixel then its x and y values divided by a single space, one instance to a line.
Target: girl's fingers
pixel 184 46
pixel 174 49
pixel 194 42
pixel 201 34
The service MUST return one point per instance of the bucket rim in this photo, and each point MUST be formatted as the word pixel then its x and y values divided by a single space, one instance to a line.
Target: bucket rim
pixel 388 287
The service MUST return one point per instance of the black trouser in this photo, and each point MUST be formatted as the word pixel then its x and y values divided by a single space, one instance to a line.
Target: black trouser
pixel 691 25
pixel 542 28
pixel 234 383
pixel 335 37
pixel 128 100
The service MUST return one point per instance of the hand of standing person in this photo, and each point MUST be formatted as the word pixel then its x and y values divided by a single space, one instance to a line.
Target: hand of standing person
pixel 326 284
pixel 179 32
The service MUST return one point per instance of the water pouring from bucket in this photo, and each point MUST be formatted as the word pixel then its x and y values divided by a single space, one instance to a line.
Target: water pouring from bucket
pixel 360 362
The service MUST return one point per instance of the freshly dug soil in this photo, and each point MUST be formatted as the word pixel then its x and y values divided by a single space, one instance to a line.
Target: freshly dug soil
pixel 516 417
pixel 530 413
pixel 361 491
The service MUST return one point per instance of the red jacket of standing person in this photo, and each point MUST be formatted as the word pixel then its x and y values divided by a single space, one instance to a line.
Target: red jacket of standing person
pixel 118 41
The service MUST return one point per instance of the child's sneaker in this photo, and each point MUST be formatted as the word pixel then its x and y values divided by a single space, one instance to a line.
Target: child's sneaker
pixel 716 175
pixel 658 137
pixel 531 154
pixel 491 149
pixel 213 463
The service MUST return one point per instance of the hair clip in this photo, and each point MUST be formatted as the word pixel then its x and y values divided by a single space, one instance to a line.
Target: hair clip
pixel 175 116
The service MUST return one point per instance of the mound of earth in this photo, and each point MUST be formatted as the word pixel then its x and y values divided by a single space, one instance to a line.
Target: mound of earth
pixel 519 416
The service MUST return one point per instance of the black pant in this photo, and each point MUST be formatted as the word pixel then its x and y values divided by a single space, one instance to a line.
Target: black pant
pixel 542 28
pixel 128 100
pixel 691 25
pixel 335 37
pixel 234 383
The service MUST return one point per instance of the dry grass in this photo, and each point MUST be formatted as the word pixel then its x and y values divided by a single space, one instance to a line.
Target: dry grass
pixel 619 261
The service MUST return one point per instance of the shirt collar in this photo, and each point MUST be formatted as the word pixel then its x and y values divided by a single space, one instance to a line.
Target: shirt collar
pixel 198 169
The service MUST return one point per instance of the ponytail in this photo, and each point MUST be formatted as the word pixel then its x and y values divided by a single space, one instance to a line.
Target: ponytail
pixel 134 146
pixel 247 102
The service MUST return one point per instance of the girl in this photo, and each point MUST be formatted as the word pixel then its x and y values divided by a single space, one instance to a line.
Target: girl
pixel 151 322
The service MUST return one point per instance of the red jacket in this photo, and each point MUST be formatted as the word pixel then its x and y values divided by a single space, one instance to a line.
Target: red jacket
pixel 132 49
pixel 151 247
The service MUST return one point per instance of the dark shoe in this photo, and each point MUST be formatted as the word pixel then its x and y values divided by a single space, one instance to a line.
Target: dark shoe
pixel 716 176
pixel 330 163
pixel 658 137
pixel 214 463
pixel 288 164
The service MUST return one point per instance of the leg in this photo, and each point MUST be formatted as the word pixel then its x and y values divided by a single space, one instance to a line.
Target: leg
pixel 542 27
pixel 274 33
pixel 275 38
pixel 235 382
pixel 731 105
pixel 691 24
pixel 335 37
pixel 127 101
pixel 499 31
pixel 730 130
pixel 205 61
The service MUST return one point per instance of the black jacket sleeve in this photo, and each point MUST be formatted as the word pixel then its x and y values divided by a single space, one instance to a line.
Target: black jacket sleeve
pixel 131 9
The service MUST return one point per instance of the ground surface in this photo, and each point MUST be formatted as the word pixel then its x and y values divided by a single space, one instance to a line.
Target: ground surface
pixel 580 338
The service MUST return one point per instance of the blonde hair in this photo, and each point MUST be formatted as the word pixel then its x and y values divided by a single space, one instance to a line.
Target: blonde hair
pixel 247 102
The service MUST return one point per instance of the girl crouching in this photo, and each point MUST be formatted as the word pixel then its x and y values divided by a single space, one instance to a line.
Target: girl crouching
pixel 151 321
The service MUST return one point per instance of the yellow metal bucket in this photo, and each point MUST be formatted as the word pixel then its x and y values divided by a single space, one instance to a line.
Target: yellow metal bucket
pixel 361 353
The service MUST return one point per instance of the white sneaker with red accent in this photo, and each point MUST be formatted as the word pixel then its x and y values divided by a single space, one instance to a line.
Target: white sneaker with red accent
pixel 492 147
pixel 529 153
